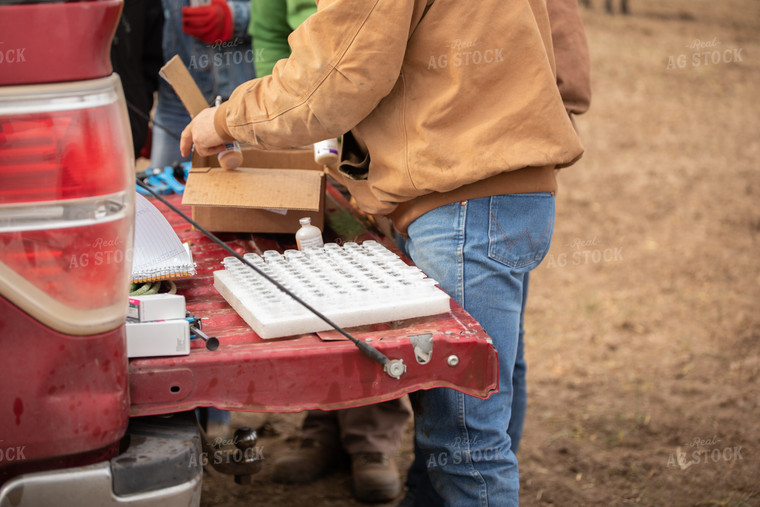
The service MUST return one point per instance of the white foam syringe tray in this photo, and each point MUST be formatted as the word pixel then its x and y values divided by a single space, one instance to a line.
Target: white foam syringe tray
pixel 352 285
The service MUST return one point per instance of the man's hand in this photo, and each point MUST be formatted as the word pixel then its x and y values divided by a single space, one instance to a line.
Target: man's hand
pixel 201 133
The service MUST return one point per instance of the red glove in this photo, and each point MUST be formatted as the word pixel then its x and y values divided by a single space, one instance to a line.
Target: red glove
pixel 209 23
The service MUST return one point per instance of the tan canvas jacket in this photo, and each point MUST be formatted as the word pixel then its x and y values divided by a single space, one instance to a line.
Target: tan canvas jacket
pixel 442 100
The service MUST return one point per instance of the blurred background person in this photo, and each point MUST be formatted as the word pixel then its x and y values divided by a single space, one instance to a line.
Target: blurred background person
pixel 136 57
pixel 370 435
pixel 213 42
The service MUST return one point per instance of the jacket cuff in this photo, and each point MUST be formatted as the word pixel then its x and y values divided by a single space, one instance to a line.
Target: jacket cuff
pixel 220 122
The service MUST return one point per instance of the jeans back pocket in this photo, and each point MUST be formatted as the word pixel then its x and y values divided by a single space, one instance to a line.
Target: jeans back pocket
pixel 520 228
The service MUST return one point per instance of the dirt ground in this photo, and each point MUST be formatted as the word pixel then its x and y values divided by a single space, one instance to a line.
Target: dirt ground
pixel 643 327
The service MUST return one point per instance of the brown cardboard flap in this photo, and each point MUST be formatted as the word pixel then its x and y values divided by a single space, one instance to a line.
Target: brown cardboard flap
pixel 188 92
pixel 256 196
pixel 255 188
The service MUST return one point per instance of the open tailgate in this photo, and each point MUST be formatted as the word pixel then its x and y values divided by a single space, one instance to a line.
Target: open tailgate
pixel 312 371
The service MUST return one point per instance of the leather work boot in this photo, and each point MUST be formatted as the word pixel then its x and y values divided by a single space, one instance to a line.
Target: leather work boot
pixel 305 464
pixel 375 477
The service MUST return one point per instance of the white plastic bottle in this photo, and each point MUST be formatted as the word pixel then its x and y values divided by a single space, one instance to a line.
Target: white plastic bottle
pixel 326 152
pixel 308 235
pixel 232 156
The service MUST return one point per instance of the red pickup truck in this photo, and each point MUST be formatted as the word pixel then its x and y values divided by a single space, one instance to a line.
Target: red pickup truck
pixel 80 423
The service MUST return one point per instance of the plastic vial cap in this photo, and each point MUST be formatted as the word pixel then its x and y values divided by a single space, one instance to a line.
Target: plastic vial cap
pixel 326 152
pixel 305 221
pixel 231 157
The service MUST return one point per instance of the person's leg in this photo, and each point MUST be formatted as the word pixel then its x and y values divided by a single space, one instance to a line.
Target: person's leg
pixel 374 428
pixel 417 479
pixel 519 382
pixel 217 425
pixel 371 435
pixel 475 250
pixel 318 453
pixel 417 482
pixel 419 492
pixel 321 426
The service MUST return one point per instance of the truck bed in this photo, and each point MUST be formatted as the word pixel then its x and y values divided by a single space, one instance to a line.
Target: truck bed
pixel 311 371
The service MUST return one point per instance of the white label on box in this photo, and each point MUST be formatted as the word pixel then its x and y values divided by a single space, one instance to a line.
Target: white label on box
pixel 133 312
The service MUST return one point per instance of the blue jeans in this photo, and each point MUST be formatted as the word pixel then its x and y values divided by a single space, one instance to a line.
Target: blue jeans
pixel 480 252
pixel 419 491
pixel 519 383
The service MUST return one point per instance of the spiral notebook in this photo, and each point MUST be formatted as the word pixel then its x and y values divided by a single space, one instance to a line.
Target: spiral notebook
pixel 158 252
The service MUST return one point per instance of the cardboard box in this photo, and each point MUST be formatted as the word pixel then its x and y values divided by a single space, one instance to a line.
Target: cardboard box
pixel 156 307
pixel 268 193
pixel 161 338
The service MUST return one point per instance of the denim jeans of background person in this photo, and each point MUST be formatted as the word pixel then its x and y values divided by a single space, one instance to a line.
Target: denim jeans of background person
pixel 218 64
pixel 218 55
pixel 450 114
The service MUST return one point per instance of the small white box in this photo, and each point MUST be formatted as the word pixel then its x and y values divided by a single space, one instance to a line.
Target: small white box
pixel 156 307
pixel 161 338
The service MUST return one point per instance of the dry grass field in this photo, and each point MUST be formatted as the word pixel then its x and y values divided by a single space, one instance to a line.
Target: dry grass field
pixel 643 339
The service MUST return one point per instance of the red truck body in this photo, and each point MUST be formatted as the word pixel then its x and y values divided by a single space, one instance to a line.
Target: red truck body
pixel 64 160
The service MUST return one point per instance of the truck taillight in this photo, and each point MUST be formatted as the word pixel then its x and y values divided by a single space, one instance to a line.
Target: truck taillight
pixel 66 203
pixel 59 155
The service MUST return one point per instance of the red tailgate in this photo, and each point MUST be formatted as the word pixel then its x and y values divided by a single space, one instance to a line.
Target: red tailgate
pixel 308 371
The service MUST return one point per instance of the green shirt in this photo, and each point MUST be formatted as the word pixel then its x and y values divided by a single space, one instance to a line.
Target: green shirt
pixel 271 23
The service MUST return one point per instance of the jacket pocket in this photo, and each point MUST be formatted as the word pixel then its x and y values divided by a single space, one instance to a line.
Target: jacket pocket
pixel 354 162
pixel 520 228
pixel 352 172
